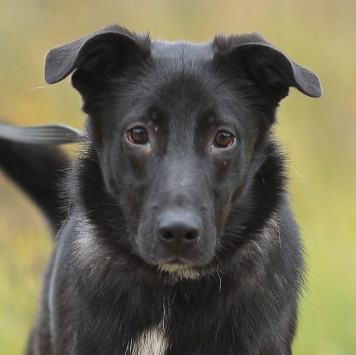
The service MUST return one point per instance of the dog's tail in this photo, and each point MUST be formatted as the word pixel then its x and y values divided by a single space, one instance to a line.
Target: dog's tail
pixel 39 170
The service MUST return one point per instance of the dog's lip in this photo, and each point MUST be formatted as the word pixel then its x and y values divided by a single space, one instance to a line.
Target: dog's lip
pixel 176 266
pixel 176 261
pixel 180 262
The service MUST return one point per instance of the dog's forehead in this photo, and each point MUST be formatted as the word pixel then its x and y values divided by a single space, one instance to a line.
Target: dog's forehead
pixel 182 51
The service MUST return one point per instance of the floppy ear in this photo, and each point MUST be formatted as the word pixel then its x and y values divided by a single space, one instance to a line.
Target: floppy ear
pixel 94 54
pixel 267 66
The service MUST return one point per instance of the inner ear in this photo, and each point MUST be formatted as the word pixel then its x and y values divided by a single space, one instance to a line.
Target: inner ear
pixel 269 72
pixel 96 60
pixel 99 62
pixel 268 69
pixel 100 55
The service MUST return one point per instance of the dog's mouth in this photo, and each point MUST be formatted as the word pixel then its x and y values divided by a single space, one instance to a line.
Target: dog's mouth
pixel 173 260
pixel 181 270
pixel 178 261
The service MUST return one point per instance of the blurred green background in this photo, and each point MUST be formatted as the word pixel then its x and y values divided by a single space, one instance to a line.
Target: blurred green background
pixel 319 136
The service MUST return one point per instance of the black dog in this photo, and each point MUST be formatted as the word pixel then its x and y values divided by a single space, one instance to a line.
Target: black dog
pixel 178 236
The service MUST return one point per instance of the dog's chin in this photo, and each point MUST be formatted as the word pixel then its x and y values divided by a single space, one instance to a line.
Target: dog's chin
pixel 177 269
pixel 182 271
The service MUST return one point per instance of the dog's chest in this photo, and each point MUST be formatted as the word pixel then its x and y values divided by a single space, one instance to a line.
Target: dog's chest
pixel 153 341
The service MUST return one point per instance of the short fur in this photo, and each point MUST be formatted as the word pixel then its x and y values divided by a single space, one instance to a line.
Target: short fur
pixel 177 243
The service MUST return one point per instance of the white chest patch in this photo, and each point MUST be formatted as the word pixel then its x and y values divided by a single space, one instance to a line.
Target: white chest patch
pixel 150 342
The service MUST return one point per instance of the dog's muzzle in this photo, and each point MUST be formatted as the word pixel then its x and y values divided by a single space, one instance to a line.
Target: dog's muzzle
pixel 177 236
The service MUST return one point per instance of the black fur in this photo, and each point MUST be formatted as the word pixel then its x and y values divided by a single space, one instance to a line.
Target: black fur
pixel 171 194
pixel 39 171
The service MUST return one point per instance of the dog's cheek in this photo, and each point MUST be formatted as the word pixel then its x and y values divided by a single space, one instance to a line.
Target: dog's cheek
pixel 226 181
pixel 121 184
pixel 108 161
pixel 116 168
pixel 145 241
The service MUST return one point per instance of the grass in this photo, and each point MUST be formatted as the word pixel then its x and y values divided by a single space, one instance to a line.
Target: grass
pixel 318 135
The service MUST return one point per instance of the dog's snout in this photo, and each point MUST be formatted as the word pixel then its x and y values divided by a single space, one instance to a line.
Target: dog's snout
pixel 177 231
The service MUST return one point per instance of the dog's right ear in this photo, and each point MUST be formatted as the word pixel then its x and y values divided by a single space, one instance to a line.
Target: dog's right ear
pixel 94 55
pixel 267 66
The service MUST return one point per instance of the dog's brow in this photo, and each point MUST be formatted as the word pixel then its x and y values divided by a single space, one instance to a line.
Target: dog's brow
pixel 182 49
pixel 216 118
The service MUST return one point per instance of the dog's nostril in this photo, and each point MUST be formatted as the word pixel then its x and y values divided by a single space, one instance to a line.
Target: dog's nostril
pixel 178 234
pixel 191 237
pixel 166 236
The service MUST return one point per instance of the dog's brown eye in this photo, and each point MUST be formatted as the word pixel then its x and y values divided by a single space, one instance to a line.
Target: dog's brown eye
pixel 137 135
pixel 223 139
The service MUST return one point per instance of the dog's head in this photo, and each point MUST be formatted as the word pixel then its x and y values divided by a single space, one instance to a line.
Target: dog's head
pixel 181 132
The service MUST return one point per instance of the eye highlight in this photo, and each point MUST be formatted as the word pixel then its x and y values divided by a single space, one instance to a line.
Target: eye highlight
pixel 223 139
pixel 137 135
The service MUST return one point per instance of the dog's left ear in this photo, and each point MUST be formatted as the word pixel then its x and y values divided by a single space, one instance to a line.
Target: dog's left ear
pixel 267 66
pixel 94 55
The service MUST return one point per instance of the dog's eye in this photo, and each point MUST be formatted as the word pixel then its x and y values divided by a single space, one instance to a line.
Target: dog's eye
pixel 137 135
pixel 223 139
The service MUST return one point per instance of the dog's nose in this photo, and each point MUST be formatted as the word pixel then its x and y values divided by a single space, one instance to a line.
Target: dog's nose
pixel 178 230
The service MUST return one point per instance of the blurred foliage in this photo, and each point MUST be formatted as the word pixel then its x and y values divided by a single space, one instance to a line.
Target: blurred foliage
pixel 318 135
